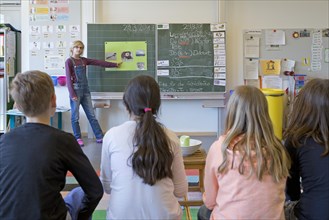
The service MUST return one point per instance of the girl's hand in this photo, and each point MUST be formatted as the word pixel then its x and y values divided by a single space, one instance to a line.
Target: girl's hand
pixel 119 64
pixel 75 98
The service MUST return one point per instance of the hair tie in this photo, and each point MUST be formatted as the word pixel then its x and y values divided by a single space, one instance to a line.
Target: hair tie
pixel 147 110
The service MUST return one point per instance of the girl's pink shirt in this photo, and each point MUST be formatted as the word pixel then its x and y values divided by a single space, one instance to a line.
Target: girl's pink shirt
pixel 235 196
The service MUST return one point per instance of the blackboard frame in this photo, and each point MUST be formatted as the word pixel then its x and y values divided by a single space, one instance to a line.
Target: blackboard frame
pixel 98 34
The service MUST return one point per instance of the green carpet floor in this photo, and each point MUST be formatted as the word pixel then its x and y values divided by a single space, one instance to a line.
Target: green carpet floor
pixel 101 214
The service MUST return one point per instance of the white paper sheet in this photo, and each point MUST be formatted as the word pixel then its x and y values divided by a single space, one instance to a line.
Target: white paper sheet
pixel 251 49
pixel 275 37
pixel 251 69
pixel 272 82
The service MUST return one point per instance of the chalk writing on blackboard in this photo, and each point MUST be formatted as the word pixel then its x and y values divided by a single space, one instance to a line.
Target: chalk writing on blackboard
pixel 188 51
pixel 134 28
pixel 180 86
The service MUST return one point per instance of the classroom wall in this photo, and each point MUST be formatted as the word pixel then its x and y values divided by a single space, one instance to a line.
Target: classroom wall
pixel 11 14
pixel 238 15
pixel 243 15
pixel 179 11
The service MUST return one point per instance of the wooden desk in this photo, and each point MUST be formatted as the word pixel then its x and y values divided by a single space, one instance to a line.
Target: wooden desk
pixel 196 161
pixel 13 113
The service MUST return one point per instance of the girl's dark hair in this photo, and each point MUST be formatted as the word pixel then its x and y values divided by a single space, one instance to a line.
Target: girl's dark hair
pixel 152 157
pixel 309 117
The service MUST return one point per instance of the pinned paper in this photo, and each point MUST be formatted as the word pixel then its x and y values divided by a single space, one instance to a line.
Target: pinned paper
pixel 305 61
pixel 272 82
pixel 270 67
pixel 275 37
pixel 218 34
pixel 252 82
pixel 221 69
pixel 316 50
pixel 219 40
pixel 163 72
pixel 251 49
pixel 163 26
pixel 219 46
pixel 218 82
pixel 218 27
pixel 251 69
pixel 219 76
pixel 219 52
pixel 326 55
pixel 163 63
pixel 287 65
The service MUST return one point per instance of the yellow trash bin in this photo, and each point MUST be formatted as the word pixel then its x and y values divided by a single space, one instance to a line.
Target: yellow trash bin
pixel 275 107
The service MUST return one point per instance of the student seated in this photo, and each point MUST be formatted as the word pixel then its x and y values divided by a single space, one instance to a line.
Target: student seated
pixel 307 141
pixel 246 169
pixel 35 158
pixel 142 164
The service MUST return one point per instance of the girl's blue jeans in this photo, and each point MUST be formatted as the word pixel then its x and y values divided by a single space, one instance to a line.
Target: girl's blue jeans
pixel 84 99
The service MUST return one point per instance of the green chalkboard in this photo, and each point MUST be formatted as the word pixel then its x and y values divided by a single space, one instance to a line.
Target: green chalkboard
pixel 113 80
pixel 187 56
pixel 183 58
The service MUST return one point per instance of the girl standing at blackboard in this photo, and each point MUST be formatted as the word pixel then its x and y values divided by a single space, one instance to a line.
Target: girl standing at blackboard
pixel 77 85
pixel 142 165
pixel 247 167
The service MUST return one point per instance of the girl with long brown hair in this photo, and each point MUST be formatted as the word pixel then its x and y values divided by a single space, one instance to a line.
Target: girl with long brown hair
pixel 142 164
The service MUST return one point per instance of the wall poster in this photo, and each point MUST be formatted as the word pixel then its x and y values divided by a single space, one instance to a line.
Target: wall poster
pixel 52 28
pixel 132 55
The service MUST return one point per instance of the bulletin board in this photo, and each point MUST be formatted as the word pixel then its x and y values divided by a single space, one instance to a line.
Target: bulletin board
pixel 52 27
pixel 185 59
pixel 307 48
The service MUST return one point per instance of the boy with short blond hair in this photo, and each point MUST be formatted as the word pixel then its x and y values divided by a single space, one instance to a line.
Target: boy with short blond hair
pixel 35 158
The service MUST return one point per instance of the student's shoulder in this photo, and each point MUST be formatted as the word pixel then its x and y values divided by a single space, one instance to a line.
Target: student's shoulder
pixel 124 128
pixel 87 60
pixel 310 146
pixel 171 134
pixel 69 62
pixel 64 134
pixel 216 145
pixel 168 131
pixel 120 132
pixel 172 137
pixel 63 137
pixel 219 141
pixel 61 132
pixel 54 135
pixel 3 137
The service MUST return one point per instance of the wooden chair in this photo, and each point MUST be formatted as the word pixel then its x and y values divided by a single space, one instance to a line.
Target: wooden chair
pixel 195 161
